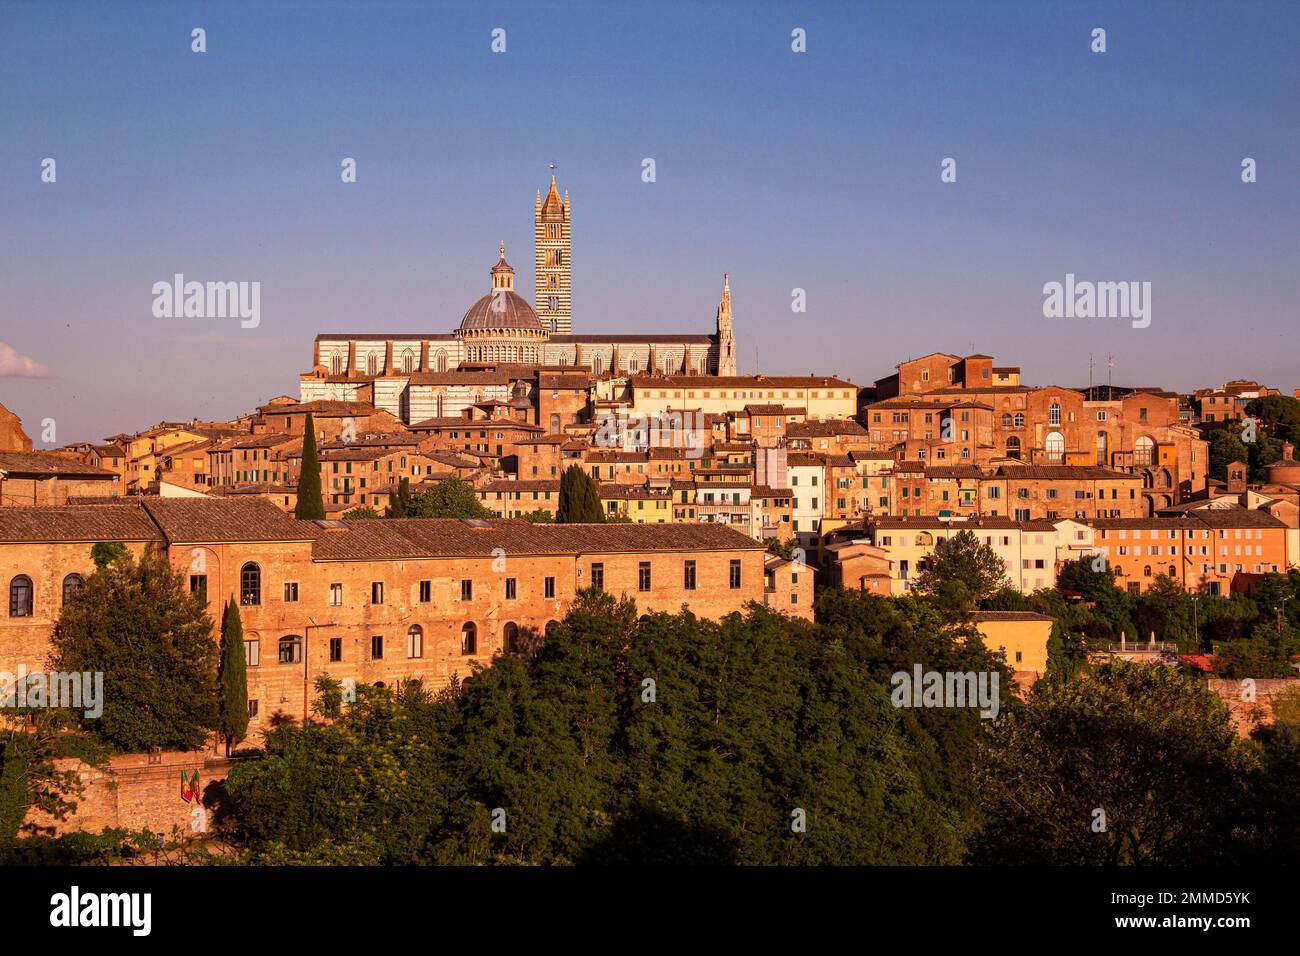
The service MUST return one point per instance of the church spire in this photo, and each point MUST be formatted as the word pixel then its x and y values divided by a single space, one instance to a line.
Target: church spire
pixel 726 337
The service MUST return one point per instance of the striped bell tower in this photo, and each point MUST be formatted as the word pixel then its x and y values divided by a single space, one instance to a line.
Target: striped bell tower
pixel 554 275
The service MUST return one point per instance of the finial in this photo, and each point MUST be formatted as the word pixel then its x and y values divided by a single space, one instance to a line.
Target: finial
pixel 726 284
pixel 503 250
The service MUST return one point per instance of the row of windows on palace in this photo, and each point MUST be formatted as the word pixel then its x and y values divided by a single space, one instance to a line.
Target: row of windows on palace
pixel 250 584
pixel 22 593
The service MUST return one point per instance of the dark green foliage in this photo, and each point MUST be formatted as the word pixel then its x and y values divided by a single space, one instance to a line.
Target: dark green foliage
pixel 311 503
pixel 361 513
pixel 106 552
pixel 1150 748
pixel 579 499
pixel 233 677
pixel 399 502
pixel 539 516
pixel 137 623
pixel 961 572
pixel 449 498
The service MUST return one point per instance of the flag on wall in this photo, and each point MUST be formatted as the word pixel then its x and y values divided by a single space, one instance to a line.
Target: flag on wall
pixel 190 788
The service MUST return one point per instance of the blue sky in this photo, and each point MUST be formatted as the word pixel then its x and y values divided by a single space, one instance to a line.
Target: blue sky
pixel 817 171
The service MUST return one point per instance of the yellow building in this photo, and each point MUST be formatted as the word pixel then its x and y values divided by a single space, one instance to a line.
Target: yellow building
pixel 1020 635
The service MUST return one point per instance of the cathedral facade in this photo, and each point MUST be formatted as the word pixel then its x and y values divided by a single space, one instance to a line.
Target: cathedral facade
pixel 502 328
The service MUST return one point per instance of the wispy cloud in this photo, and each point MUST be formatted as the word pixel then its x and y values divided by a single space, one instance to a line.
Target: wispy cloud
pixel 13 365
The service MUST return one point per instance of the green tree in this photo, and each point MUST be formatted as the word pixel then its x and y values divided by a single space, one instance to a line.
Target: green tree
pixel 1225 448
pixel 311 503
pixel 106 552
pixel 962 570
pixel 1138 764
pixel 399 502
pixel 579 499
pixel 135 622
pixel 360 513
pixel 449 498
pixel 233 677
pixel 540 516
pixel 31 740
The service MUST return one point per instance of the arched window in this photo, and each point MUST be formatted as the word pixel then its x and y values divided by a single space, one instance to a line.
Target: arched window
pixel 290 649
pixel 408 361
pixel 1055 446
pixel 1006 419
pixel 510 637
pixel 1173 572
pixel 336 364
pixel 71 585
pixel 20 596
pixel 1019 419
pixel 250 584
pixel 1142 449
pixel 1146 571
pixel 555 424
pixel 597 365
pixel 372 363
pixel 1013 447
pixel 469 638
pixel 440 361
pixel 633 365
pixel 415 641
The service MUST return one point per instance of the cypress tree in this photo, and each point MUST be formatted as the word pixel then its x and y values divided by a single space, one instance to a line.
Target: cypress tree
pixel 579 499
pixel 311 504
pixel 233 677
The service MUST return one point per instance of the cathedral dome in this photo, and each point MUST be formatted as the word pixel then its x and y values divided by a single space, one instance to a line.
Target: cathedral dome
pixel 503 309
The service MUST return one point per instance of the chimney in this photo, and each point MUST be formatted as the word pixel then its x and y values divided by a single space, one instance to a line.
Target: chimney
pixel 1288 451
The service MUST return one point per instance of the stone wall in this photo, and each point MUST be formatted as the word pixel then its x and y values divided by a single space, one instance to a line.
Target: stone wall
pixel 141 791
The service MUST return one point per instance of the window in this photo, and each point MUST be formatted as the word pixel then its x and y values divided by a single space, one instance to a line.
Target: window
pixel 250 585
pixel 469 638
pixel 290 592
pixel 336 649
pixel 252 709
pixel 415 641
pixel 290 649
pixel 643 576
pixel 1054 414
pixel 199 586
pixel 252 652
pixel 467 590
pixel 512 589
pixel 735 573
pixel 688 576
pixel 426 592
pixel 598 576
pixel 72 584
pixel 376 592
pixel 336 595
pixel 550 587
pixel 510 637
pixel 376 647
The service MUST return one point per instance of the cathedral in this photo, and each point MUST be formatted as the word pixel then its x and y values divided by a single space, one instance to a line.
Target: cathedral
pixel 501 328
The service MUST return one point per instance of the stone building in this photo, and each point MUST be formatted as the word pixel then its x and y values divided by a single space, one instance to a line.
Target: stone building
pixel 367 601
pixel 501 328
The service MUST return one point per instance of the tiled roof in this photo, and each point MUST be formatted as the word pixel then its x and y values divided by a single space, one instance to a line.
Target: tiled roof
pixel 90 523
pixel 198 520
pixel 1063 472
pixel 437 537
pixel 43 464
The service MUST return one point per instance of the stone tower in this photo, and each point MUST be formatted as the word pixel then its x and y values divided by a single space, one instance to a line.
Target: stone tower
pixel 726 336
pixel 554 269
